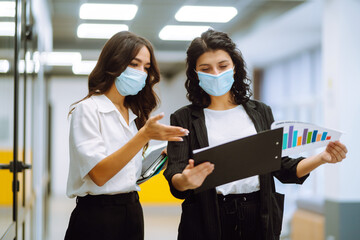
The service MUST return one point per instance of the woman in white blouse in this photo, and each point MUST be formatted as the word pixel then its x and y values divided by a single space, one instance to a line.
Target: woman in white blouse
pixel 109 129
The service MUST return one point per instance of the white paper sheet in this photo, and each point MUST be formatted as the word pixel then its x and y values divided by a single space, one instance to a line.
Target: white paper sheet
pixel 299 136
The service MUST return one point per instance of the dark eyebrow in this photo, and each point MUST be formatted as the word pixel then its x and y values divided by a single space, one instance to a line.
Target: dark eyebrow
pixel 137 59
pixel 224 61
pixel 206 64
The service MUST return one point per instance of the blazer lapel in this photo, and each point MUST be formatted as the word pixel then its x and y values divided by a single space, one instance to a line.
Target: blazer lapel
pixel 255 116
pixel 208 199
pixel 200 128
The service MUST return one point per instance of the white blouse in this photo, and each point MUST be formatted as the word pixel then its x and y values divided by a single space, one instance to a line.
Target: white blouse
pixel 97 129
pixel 227 125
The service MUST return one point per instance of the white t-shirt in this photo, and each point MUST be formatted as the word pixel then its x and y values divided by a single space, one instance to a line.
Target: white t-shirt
pixel 227 125
pixel 97 129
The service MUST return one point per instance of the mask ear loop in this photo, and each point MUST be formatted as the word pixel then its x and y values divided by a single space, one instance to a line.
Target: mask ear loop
pixel 197 75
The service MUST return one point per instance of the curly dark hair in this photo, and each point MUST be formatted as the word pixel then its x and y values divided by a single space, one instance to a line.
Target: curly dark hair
pixel 209 41
pixel 116 55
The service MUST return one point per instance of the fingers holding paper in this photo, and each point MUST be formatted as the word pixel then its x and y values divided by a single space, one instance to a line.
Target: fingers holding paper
pixel 192 176
pixel 334 152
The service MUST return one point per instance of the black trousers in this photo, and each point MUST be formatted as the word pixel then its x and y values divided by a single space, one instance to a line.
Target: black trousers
pixel 240 216
pixel 110 217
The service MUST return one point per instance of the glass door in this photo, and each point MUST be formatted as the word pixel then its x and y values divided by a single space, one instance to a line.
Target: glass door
pixel 7 90
pixel 27 75
pixel 15 120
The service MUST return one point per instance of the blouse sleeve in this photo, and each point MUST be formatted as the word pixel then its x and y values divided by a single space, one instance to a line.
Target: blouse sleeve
pixel 178 155
pixel 87 147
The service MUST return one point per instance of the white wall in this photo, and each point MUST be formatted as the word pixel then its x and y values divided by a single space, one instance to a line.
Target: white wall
pixel 43 28
pixel 6 113
pixel 341 84
pixel 172 94
pixel 62 93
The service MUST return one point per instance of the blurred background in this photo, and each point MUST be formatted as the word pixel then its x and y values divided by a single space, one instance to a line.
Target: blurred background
pixel 303 58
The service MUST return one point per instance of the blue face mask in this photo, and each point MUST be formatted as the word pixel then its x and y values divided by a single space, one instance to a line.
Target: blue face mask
pixel 216 85
pixel 131 81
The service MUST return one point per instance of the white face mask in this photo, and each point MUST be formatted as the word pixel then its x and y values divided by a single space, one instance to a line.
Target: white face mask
pixel 216 85
pixel 131 81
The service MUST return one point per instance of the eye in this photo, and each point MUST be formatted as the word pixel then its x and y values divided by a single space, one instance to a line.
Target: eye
pixel 224 66
pixel 204 70
pixel 133 64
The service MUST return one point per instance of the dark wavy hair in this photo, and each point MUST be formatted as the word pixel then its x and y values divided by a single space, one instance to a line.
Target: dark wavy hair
pixel 116 55
pixel 212 40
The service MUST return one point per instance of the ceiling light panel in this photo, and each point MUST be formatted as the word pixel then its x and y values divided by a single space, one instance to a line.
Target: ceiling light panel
pixel 61 58
pixel 4 66
pixel 108 11
pixel 29 66
pixel 7 9
pixel 7 28
pixel 205 14
pixel 181 33
pixel 99 31
pixel 83 67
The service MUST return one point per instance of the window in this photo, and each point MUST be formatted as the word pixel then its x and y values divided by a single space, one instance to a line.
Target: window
pixel 292 87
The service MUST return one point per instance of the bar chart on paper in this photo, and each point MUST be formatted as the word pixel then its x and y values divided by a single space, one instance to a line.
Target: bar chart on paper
pixel 299 137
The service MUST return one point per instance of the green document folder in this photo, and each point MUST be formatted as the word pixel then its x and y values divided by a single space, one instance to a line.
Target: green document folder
pixel 152 164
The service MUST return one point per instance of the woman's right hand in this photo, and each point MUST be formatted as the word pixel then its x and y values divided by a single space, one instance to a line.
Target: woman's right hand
pixel 157 131
pixel 192 176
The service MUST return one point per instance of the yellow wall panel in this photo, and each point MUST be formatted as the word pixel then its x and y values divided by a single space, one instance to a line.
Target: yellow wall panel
pixel 6 178
pixel 156 191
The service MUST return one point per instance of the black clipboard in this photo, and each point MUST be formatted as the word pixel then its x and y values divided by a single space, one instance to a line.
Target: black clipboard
pixel 242 158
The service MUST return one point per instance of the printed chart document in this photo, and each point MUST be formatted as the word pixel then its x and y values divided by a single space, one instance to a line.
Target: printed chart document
pixel 242 158
pixel 152 163
pixel 299 136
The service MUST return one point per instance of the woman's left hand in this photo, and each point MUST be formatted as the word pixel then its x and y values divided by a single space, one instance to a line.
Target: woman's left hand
pixel 164 151
pixel 166 163
pixel 334 152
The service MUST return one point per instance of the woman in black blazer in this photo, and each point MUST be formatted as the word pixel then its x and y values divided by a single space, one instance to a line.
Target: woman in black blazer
pixel 218 89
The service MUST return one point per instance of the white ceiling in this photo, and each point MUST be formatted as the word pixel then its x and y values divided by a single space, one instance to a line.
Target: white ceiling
pixel 151 17
pixel 294 31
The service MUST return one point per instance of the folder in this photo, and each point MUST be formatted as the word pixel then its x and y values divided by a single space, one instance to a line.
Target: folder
pixel 241 158
pixel 152 163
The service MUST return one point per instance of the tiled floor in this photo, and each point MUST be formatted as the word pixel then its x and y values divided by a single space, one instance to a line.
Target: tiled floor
pixel 5 218
pixel 161 222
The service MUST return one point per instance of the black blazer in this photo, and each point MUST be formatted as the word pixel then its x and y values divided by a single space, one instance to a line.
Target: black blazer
pixel 200 212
